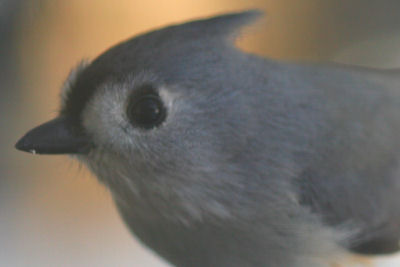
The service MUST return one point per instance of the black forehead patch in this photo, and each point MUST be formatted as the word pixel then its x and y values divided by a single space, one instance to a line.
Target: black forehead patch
pixel 81 91
pixel 157 51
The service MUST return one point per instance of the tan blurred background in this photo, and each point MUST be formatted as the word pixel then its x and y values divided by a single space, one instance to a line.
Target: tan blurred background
pixel 52 212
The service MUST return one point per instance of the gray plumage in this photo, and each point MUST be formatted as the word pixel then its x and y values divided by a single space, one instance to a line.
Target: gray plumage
pixel 257 163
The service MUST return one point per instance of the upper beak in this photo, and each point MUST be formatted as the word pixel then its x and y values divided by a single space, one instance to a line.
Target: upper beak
pixel 53 137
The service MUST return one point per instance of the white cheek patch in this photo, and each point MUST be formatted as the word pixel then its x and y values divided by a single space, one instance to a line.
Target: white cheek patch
pixel 105 116
pixel 169 99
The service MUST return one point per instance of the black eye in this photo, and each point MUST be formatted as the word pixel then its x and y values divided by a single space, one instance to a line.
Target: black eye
pixel 146 110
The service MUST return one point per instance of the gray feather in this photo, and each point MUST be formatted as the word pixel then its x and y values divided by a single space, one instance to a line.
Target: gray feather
pixel 258 162
pixel 353 177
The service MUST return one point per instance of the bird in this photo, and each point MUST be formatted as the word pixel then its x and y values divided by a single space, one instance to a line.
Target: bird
pixel 219 157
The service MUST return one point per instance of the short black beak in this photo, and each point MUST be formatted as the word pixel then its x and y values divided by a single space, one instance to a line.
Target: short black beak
pixel 53 137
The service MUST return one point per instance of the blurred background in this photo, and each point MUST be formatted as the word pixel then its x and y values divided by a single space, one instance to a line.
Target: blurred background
pixel 52 211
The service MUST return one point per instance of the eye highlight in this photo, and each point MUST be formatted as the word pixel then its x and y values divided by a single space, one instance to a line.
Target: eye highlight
pixel 146 109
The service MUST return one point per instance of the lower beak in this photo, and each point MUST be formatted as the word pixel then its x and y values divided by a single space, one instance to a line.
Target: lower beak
pixel 54 137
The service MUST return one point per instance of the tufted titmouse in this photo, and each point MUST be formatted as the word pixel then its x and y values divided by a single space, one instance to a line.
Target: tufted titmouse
pixel 216 157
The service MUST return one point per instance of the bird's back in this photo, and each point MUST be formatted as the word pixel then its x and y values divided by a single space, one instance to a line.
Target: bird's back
pixel 352 173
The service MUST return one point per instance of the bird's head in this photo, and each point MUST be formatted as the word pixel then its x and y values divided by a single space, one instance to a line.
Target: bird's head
pixel 163 114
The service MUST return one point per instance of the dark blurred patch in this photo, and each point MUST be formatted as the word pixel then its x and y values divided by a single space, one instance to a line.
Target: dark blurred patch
pixel 8 73
pixel 8 12
pixel 359 18
pixel 346 22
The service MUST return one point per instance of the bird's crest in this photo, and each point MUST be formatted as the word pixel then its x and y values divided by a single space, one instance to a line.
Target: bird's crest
pixel 154 46
pixel 225 26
